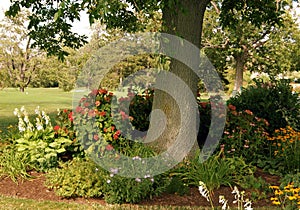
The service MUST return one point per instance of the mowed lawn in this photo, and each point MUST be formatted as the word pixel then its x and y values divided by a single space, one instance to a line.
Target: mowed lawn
pixel 49 100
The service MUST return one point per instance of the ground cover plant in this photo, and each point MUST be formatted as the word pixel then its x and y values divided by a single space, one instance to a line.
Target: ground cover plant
pixel 56 148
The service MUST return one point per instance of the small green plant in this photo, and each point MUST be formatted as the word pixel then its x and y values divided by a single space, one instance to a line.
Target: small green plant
pixel 215 171
pixel 14 164
pixel 83 178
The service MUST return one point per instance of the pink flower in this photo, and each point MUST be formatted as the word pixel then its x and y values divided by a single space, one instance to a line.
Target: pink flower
pixel 109 147
pixel 96 137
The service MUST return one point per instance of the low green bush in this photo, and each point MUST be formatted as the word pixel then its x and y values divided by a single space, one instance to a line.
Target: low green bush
pixel 83 178
pixel 77 178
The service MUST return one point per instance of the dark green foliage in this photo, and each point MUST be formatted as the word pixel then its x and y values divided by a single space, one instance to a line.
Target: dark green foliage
pixel 274 102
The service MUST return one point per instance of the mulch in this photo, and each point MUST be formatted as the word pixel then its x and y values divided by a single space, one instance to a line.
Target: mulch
pixel 35 189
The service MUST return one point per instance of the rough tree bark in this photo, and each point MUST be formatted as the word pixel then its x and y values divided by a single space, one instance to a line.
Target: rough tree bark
pixel 184 20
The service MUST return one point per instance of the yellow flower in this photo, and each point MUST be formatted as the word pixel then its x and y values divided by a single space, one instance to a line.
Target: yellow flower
pixel 292 198
pixel 276 202
pixel 274 187
pixel 278 192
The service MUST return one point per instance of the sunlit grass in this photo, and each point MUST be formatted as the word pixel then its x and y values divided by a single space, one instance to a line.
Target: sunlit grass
pixel 49 100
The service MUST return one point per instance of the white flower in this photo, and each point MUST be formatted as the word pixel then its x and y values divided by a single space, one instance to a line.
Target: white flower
pixel 136 158
pixel 138 180
pixel 22 109
pixel 248 204
pixel 108 181
pixel 203 190
pixel 26 119
pixel 224 202
pixel 21 125
pixel 16 112
pixel 236 193
pixel 37 110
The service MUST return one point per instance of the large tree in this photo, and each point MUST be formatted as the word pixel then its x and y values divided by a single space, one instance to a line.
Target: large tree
pixel 50 29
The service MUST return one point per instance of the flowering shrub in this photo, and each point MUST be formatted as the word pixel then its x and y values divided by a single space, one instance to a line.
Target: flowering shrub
pixel 273 101
pixel 287 197
pixel 38 140
pixel 96 120
pixel 285 149
pixel 244 134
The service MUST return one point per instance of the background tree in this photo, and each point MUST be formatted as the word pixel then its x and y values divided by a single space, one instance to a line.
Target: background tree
pixel 249 47
pixel 19 62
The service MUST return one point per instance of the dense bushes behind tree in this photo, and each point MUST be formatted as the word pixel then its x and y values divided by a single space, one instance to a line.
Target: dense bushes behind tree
pixel 273 101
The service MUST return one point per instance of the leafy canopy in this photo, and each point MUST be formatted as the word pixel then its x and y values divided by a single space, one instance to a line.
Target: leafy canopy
pixel 50 20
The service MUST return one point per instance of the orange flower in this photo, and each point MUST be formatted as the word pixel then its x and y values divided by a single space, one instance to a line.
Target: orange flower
pixel 231 107
pixel 249 112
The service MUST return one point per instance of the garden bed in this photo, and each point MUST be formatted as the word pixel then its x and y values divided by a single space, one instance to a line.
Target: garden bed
pixel 35 189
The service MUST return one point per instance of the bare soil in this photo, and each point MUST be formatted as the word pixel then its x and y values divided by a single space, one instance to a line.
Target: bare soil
pixel 35 189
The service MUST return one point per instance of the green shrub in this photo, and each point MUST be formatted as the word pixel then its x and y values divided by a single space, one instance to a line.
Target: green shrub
pixel 83 178
pixel 77 178
pixel 274 102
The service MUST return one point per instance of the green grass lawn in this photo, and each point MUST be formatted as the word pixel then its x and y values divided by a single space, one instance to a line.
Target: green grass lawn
pixel 9 203
pixel 49 100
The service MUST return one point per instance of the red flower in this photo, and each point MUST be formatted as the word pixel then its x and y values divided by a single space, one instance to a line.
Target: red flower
pixel 65 111
pixel 70 116
pixel 112 128
pixel 94 92
pixel 97 103
pixel 86 104
pixel 109 147
pixel 117 134
pixel 231 107
pixel 103 91
pixel 103 113
pixel 105 130
pixel 56 128
pixel 111 93
pixel 82 100
pixel 96 137
pixel 79 109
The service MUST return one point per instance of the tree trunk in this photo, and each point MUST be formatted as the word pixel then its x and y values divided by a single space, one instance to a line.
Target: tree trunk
pixel 184 20
pixel 239 72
